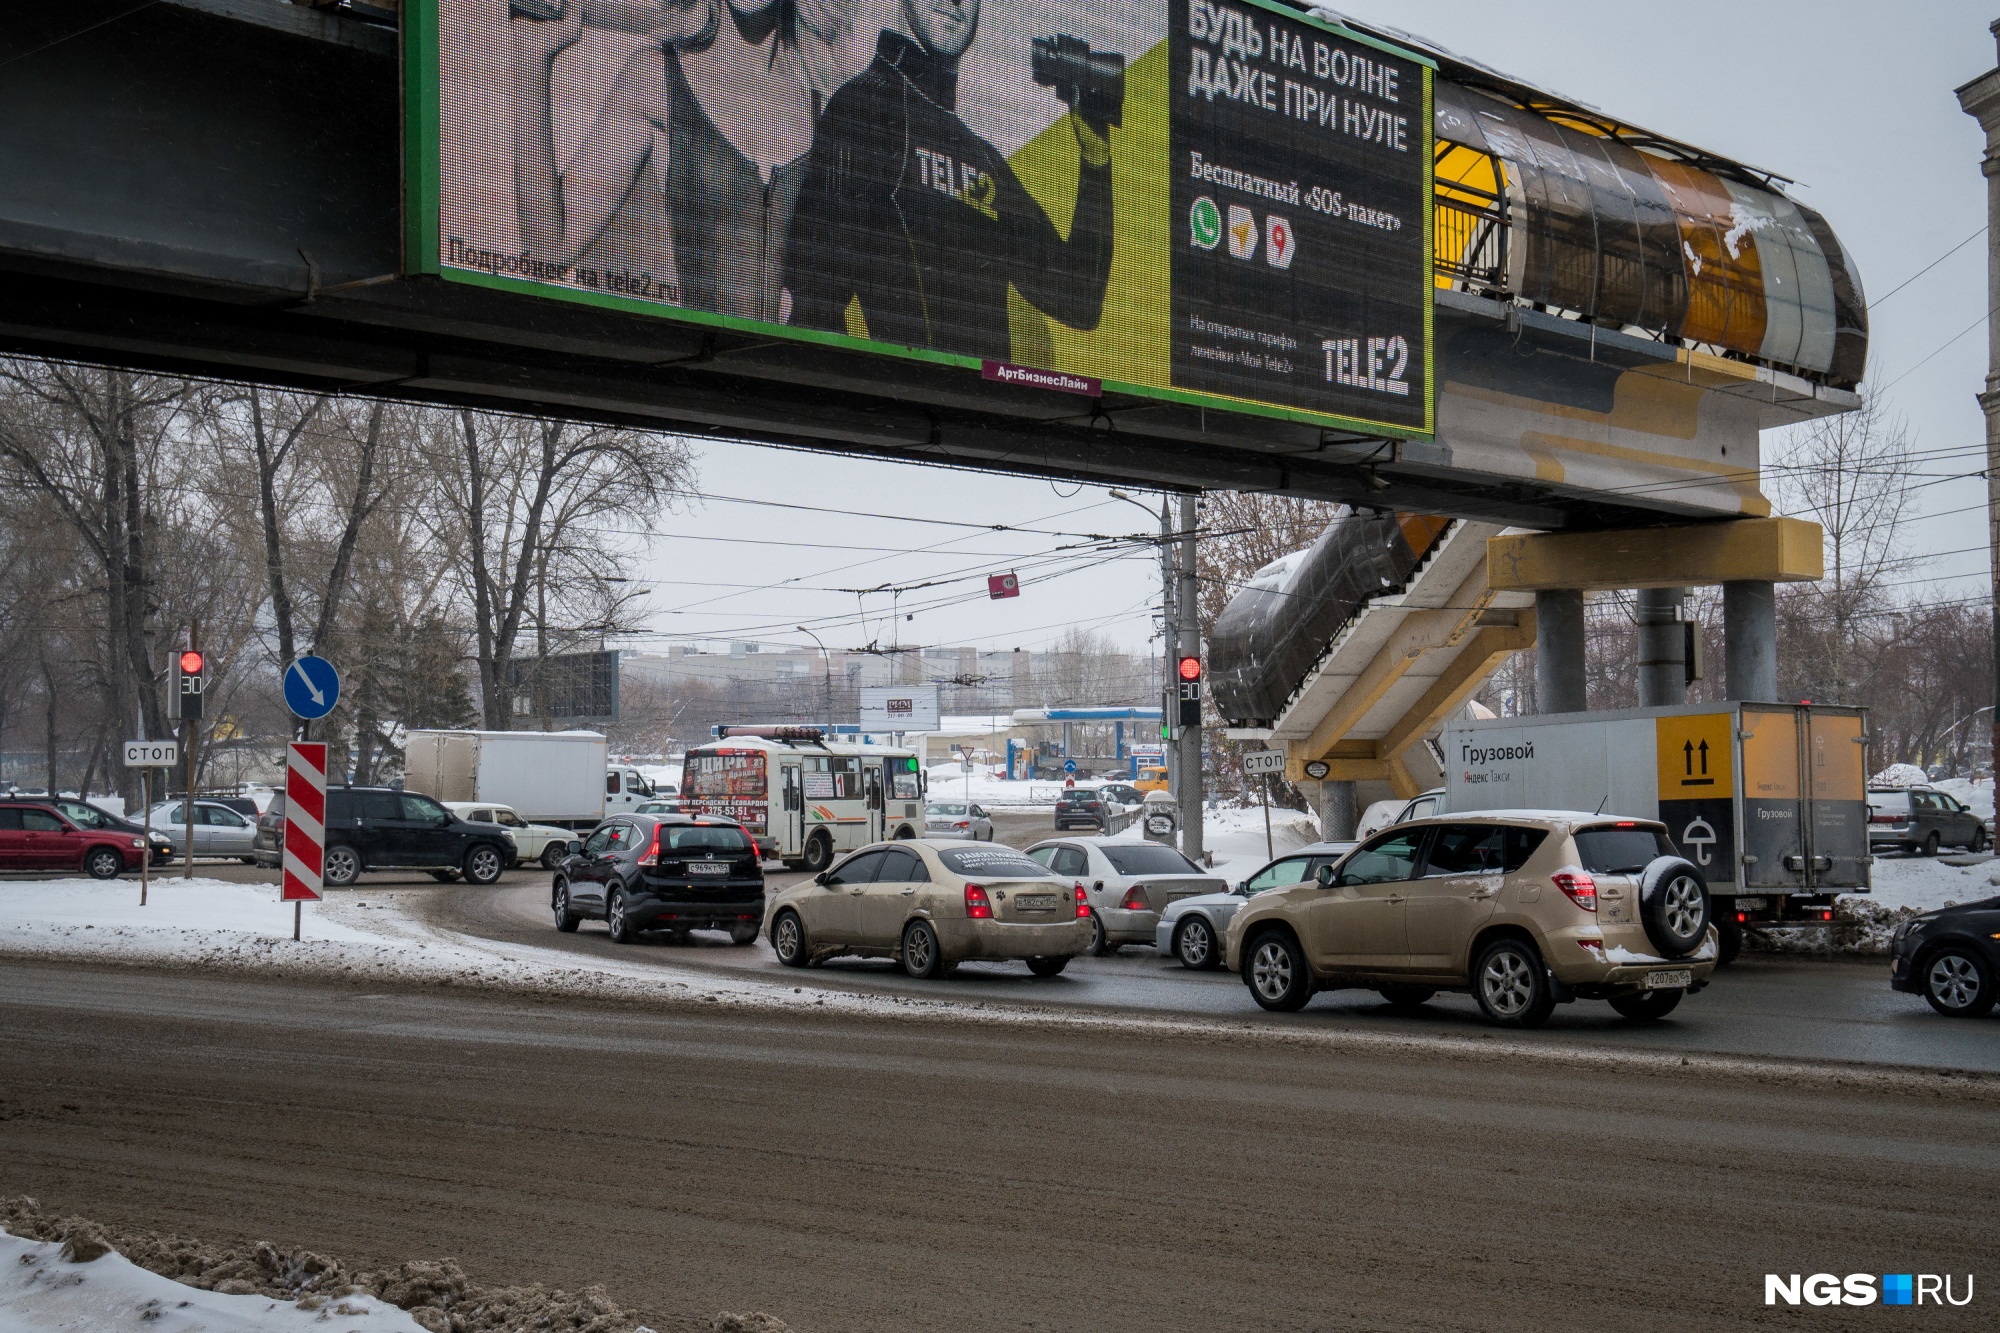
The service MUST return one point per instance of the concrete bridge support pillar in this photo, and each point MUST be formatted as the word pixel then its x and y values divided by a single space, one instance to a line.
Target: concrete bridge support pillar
pixel 1338 814
pixel 1750 640
pixel 1662 648
pixel 1559 676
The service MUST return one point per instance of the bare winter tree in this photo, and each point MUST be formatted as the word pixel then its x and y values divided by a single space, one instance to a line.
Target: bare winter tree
pixel 1850 473
pixel 521 512
pixel 89 441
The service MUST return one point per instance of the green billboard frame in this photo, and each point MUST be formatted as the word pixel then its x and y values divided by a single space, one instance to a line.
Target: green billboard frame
pixel 422 174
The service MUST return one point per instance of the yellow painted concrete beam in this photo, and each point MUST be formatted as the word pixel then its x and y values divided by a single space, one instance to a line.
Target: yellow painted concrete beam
pixel 1780 550
pixel 1474 663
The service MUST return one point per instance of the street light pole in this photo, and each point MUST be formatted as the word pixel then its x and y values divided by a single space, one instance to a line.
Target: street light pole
pixel 1980 99
pixel 1169 629
pixel 826 667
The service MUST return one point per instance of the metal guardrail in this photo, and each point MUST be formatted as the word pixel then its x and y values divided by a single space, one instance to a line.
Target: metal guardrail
pixel 1471 232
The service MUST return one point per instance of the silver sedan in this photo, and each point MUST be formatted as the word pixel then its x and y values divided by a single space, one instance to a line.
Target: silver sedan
pixel 218 830
pixel 957 819
pixel 1191 929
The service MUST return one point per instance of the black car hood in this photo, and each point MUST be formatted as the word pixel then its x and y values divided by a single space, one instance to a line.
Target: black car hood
pixel 1962 909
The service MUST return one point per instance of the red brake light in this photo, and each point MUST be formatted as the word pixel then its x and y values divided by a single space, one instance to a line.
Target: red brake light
pixel 654 850
pixel 1741 917
pixel 963 823
pixel 1626 823
pixel 1082 902
pixel 977 906
pixel 1578 886
pixel 1135 900
pixel 1885 819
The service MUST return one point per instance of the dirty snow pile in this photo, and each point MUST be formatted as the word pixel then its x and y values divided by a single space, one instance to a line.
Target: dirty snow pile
pixel 71 1273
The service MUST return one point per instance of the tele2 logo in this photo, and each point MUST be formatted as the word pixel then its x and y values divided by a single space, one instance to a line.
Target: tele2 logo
pixel 1206 231
pixel 1860 1289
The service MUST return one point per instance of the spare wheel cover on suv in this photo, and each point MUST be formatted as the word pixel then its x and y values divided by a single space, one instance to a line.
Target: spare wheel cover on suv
pixel 1673 904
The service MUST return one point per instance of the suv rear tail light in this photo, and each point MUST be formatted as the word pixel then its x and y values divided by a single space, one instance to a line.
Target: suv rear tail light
pixel 1885 819
pixel 1082 902
pixel 977 906
pixel 1578 887
pixel 1135 900
pixel 655 852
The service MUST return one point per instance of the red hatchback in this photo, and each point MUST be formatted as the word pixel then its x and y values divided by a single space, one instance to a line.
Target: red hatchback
pixel 37 837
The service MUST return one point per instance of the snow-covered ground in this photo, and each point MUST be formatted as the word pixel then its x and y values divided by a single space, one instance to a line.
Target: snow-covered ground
pixel 1236 838
pixel 1926 882
pixel 40 1291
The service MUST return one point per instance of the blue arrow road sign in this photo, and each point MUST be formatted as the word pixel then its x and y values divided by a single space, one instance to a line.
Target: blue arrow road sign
pixel 1069 765
pixel 312 687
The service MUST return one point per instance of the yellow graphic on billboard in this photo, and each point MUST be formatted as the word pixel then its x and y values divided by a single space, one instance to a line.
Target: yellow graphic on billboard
pixel 1694 755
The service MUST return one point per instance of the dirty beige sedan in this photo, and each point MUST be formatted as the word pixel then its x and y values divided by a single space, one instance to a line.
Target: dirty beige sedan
pixel 931 906
pixel 1526 909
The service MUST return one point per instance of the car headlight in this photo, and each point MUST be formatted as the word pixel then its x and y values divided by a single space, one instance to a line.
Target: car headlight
pixel 138 842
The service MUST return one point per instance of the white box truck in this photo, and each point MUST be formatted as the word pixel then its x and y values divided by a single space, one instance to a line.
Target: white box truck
pixel 1770 800
pixel 548 777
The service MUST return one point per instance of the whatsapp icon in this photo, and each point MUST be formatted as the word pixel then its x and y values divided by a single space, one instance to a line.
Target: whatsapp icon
pixel 1205 223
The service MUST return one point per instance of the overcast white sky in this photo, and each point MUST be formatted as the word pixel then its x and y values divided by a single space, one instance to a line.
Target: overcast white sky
pixel 1851 100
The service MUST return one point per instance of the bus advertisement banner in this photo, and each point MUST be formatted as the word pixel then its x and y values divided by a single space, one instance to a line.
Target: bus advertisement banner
pixel 1216 202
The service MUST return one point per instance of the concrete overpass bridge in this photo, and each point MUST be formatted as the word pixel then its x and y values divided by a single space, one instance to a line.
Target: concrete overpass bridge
pixel 215 187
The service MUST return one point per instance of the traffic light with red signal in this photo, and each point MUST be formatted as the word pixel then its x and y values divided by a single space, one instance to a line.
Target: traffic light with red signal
pixel 191 684
pixel 1189 672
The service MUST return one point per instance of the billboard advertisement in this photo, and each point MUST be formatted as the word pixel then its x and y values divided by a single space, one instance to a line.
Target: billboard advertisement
pixel 1221 204
pixel 886 708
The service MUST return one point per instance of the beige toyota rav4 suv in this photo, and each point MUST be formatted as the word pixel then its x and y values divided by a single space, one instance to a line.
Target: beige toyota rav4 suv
pixel 1524 908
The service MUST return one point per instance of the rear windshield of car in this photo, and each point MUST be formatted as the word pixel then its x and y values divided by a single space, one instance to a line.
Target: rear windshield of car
pixel 947 809
pixel 1889 800
pixel 992 863
pixel 696 837
pixel 1149 860
pixel 1621 851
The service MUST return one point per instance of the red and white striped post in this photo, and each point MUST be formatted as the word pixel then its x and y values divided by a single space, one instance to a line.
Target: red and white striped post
pixel 304 857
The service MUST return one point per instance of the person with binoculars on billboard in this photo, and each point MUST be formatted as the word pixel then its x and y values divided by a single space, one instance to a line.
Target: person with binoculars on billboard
pixel 920 222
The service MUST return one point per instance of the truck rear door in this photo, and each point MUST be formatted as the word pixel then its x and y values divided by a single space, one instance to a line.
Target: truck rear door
pixel 1836 795
pixel 1773 830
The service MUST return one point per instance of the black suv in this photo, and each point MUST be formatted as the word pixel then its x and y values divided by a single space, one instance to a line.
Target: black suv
pixel 662 872
pixel 1079 808
pixel 373 828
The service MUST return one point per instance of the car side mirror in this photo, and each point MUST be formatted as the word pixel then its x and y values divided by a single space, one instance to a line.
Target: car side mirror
pixel 820 879
pixel 1324 876
pixel 574 847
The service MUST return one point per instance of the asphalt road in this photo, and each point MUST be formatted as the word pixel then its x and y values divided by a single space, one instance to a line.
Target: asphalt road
pixel 1766 1006
pixel 866 1176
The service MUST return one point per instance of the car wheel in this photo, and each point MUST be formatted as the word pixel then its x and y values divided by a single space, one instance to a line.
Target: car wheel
pixel 1930 847
pixel 1958 983
pixel 103 863
pixel 1274 967
pixel 1674 906
pixel 1099 946
pixel 1647 1006
pixel 483 865
pixel 1977 843
pixel 1406 998
pixel 1730 940
pixel 566 920
pixel 819 852
pixel 341 867
pixel 1194 945
pixel 552 855
pixel 1049 966
pixel 743 932
pixel 444 876
pixel 617 920
pixel 923 957
pixel 1511 985
pixel 788 939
